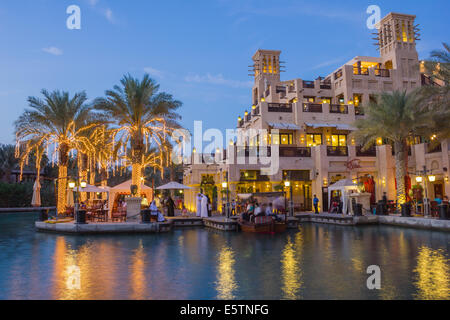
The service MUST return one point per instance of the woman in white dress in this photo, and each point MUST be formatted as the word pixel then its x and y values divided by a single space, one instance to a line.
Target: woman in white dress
pixel 199 205
pixel 204 206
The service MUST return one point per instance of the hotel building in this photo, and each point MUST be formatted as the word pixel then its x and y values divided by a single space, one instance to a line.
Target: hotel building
pixel 309 123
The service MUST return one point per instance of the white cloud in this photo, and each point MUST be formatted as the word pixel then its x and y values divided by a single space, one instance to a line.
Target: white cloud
pixel 93 2
pixel 53 50
pixel 327 63
pixel 109 14
pixel 217 79
pixel 154 72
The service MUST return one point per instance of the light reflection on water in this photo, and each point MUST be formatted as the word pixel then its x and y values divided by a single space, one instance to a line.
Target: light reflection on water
pixel 314 262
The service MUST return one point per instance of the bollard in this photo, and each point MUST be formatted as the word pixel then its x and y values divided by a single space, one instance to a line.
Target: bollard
pixel 80 216
pixel 146 216
pixel 443 212
pixel 406 210
pixel 358 210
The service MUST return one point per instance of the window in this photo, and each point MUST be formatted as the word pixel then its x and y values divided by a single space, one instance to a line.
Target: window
pixel 313 140
pixel 326 100
pixel 282 138
pixel 309 99
pixel 337 140
pixel 357 98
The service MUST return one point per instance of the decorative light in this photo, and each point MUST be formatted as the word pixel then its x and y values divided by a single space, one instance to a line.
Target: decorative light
pixel 246 113
pixel 83 184
pixel 71 184
pixel 325 182
pixel 432 178
pixel 355 181
pixel 239 119
pixel 379 141
pixel 224 184
pixel 263 99
pixel 419 179
pixel 253 107
pixel 194 150
pixel 287 183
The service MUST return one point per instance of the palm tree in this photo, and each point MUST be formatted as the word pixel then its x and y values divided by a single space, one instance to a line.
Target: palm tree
pixel 8 161
pixel 143 117
pixel 55 122
pixel 437 95
pixel 395 117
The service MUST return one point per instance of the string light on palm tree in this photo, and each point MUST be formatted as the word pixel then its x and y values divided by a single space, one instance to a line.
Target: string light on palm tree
pixel 143 119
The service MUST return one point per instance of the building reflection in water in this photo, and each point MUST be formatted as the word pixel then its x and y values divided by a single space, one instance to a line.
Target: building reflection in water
pixel 226 284
pixel 432 275
pixel 290 268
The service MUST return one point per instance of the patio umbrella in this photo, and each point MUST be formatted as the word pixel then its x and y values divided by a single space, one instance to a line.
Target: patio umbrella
pixel 70 201
pixel 173 186
pixel 36 200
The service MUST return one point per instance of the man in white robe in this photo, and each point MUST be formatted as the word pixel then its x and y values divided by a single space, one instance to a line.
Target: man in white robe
pixel 199 204
pixel 204 206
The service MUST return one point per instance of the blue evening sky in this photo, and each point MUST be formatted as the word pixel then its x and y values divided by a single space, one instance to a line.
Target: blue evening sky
pixel 198 50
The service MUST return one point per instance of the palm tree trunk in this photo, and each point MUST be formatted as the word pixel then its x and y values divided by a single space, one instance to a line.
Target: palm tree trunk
pixel 136 162
pixel 83 165
pixel 62 179
pixel 400 171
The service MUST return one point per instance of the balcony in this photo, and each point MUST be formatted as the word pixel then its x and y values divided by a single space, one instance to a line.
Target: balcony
pixel 371 152
pixel 280 107
pixel 295 152
pixel 312 107
pixel 252 151
pixel 248 117
pixel 435 149
pixel 337 151
pixel 256 111
pixel 337 108
pixel 308 84
pixel 325 86
pixel 384 73
pixel 338 74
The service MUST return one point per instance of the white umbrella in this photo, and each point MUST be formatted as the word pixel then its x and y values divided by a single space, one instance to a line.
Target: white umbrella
pixel 36 200
pixel 173 186
pixel 70 201
pixel 91 188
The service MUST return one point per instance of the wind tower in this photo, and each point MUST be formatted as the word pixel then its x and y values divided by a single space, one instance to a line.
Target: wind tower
pixel 396 41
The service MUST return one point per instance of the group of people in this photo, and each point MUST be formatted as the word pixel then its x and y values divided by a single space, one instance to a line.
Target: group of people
pixel 204 206
pixel 254 209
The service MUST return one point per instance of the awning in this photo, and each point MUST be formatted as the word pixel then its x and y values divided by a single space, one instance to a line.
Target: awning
pixel 173 186
pixel 339 126
pixel 283 126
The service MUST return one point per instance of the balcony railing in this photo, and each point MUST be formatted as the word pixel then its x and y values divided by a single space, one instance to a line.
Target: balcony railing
pixel 312 107
pixel 280 107
pixel 337 151
pixel 371 152
pixel 308 84
pixel 252 151
pixel 436 149
pixel 384 73
pixel 325 86
pixel 295 152
pixel 256 111
pixel 338 108
pixel 281 89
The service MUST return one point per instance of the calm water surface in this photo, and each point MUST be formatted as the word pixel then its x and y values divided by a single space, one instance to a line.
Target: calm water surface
pixel 313 262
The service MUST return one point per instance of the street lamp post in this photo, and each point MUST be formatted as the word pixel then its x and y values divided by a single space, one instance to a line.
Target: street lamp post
pixel 227 204
pixel 288 184
pixel 422 176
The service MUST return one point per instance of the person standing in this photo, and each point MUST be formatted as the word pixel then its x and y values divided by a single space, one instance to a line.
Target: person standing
pixel 170 207
pixel 199 204
pixel 316 204
pixel 233 207
pixel 204 206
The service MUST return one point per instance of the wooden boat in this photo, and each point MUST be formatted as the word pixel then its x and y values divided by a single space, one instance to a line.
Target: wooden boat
pixel 256 227
pixel 263 225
